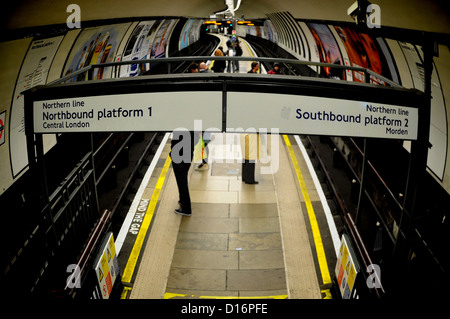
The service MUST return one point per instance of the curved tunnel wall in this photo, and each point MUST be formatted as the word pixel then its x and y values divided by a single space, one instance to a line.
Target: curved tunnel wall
pixel 41 59
pixel 399 61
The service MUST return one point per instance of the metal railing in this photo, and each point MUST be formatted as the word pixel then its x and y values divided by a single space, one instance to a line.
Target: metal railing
pixel 317 65
pixel 352 228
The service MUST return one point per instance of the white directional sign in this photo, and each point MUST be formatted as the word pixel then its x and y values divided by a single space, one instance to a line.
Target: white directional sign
pixel 167 111
pixel 159 111
pixel 297 114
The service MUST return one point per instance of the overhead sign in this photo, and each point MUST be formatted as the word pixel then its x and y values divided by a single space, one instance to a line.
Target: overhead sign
pixel 159 111
pixel 298 114
pixel 167 111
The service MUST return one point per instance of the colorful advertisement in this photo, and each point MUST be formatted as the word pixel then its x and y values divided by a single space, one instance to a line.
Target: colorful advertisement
pixel 139 47
pixel 363 51
pixel 194 35
pixel 95 46
pixel 190 33
pixel 328 50
pixel 162 39
pixel 184 37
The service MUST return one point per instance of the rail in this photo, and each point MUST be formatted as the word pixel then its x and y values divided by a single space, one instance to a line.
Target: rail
pixel 83 275
pixel 353 230
pixel 317 65
pixel 134 172
pixel 386 187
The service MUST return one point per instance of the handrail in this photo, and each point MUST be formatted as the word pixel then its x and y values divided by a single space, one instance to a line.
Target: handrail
pixel 400 206
pixel 365 257
pixel 353 230
pixel 226 58
pixel 89 250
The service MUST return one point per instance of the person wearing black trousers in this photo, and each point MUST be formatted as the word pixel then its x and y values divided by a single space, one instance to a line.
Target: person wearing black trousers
pixel 250 153
pixel 182 150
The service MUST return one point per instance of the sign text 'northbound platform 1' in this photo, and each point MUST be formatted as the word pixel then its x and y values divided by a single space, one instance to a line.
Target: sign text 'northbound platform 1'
pixel 167 111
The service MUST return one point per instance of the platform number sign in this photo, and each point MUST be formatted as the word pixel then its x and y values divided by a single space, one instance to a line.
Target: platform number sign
pixel 107 267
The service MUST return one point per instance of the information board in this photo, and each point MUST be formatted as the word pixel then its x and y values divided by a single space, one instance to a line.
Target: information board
pixel 158 111
pixel 107 267
pixel 34 71
pixel 298 114
pixel 346 269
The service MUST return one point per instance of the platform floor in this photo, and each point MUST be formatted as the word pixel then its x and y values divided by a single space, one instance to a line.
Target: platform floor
pixel 242 241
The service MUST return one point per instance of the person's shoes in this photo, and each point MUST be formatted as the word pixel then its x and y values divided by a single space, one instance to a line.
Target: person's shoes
pixel 202 167
pixel 252 183
pixel 180 211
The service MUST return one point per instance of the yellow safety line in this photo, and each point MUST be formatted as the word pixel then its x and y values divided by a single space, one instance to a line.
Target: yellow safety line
pixel 312 217
pixel 169 295
pixel 125 292
pixel 327 293
pixel 132 260
pixel 249 50
pixel 221 44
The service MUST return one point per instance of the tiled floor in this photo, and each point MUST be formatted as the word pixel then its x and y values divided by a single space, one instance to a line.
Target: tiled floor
pixel 241 241
pixel 228 249
pixel 231 246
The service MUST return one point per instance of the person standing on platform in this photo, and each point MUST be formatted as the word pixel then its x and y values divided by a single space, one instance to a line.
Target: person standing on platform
pixel 193 68
pixel 237 52
pixel 276 69
pixel 206 137
pixel 181 153
pixel 219 65
pixel 250 147
pixel 204 68
pixel 254 68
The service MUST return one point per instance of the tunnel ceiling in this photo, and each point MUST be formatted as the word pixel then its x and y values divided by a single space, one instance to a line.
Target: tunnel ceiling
pixel 412 14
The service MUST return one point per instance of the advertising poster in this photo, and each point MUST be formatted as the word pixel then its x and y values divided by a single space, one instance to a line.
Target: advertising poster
pixel 34 72
pixel 162 39
pixel 272 32
pixel 184 37
pixel 94 46
pixel 194 35
pixel 363 51
pixel 328 50
pixel 139 47
pixel 2 127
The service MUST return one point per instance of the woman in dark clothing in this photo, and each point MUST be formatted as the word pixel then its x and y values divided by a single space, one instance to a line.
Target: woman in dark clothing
pixel 219 66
